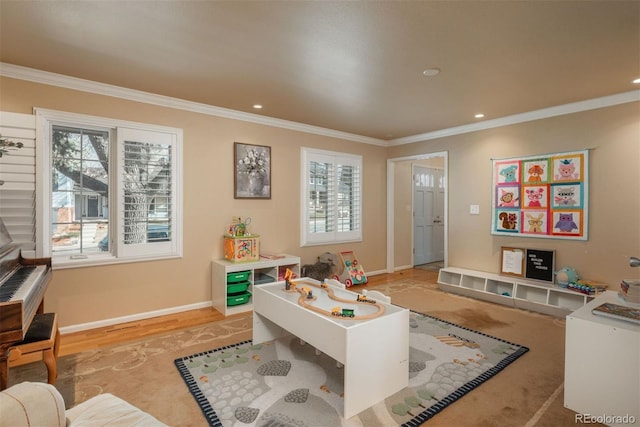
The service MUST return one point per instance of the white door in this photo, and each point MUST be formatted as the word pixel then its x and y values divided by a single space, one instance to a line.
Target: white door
pixel 428 215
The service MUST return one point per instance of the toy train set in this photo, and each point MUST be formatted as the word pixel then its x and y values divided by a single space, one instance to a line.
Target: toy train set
pixel 307 297
pixel 342 312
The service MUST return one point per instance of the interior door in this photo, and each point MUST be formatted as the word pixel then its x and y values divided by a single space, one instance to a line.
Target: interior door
pixel 428 215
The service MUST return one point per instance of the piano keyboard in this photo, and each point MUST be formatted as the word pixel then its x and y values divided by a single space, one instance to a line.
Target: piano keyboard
pixel 10 290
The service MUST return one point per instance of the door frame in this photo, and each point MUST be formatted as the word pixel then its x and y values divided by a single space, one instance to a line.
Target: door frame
pixel 391 202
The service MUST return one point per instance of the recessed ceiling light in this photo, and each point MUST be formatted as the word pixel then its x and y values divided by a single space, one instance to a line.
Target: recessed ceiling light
pixel 430 72
pixel 636 81
pixel 257 106
pixel 479 116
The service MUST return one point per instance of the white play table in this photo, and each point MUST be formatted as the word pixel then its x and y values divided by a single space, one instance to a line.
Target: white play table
pixel 374 352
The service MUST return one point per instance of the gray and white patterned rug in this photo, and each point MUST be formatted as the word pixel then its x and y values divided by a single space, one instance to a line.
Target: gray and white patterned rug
pixel 286 383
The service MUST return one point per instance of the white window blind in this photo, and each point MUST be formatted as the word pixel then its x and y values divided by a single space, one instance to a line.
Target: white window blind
pixel 332 197
pixel 18 180
pixel 146 192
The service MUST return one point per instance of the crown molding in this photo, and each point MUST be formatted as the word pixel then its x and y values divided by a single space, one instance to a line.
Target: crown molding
pixel 544 113
pixel 60 80
pixel 74 83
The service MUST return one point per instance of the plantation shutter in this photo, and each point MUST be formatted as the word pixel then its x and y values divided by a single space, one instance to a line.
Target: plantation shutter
pixel 18 180
pixel 349 202
pixel 332 191
pixel 146 192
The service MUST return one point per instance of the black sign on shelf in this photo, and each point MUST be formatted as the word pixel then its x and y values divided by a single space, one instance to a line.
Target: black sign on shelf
pixel 540 265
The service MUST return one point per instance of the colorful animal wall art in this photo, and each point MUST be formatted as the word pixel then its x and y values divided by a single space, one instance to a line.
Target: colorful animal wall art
pixel 544 196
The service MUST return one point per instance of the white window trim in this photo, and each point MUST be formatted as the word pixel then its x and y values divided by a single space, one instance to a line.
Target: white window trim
pixel 44 120
pixel 315 239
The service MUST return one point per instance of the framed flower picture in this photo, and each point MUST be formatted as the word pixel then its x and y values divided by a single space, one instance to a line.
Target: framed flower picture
pixel 252 179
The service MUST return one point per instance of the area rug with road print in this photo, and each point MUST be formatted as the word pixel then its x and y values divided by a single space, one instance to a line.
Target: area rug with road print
pixel 285 382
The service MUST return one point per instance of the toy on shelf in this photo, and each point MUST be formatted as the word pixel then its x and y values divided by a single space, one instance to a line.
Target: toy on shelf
pixel 566 275
pixel 239 244
pixel 587 287
pixel 238 227
pixel 353 273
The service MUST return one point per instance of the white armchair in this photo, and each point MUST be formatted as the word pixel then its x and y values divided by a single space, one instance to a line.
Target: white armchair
pixel 40 404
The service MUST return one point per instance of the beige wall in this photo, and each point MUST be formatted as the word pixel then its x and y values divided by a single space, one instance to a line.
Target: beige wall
pixel 97 293
pixel 612 134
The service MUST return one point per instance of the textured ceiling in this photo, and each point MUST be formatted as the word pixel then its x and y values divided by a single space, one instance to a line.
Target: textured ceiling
pixel 349 66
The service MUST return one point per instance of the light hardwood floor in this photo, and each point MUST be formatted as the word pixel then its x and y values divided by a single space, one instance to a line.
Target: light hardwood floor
pixel 102 337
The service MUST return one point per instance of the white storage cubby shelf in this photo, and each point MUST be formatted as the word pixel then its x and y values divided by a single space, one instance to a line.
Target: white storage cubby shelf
pixel 522 293
pixel 223 274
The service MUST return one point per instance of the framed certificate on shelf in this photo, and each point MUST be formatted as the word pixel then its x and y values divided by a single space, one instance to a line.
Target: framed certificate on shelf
pixel 512 261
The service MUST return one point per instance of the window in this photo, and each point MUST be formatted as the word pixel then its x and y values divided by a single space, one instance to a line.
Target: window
pixel 331 193
pixel 110 190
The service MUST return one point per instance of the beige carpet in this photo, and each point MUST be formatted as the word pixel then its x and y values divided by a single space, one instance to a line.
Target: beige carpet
pixel 528 393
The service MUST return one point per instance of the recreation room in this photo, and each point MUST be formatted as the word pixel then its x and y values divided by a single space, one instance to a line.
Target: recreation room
pixel 320 213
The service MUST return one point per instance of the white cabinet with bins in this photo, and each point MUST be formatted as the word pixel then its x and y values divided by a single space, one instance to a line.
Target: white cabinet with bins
pixel 232 282
pixel 513 291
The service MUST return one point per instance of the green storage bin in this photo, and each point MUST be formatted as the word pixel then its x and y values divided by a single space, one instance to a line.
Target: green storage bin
pixel 237 288
pixel 238 299
pixel 238 276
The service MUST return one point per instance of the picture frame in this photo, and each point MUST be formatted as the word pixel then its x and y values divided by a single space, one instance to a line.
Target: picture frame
pixel 252 171
pixel 512 261
pixel 545 196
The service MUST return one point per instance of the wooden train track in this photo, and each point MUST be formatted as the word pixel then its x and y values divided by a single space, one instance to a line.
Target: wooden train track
pixel 304 300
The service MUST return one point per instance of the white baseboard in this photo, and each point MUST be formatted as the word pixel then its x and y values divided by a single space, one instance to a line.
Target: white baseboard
pixel 378 272
pixel 132 317
pixel 375 273
pixel 164 312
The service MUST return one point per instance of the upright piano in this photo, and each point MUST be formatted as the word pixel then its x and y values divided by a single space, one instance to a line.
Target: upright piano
pixel 22 285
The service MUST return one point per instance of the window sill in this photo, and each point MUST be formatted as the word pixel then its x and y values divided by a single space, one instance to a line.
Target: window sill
pixel 96 261
pixel 331 242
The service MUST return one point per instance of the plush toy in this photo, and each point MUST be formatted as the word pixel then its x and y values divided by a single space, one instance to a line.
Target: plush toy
pixel 566 275
pixel 324 268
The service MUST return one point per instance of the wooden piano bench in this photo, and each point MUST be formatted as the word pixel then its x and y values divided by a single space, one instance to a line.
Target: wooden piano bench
pixel 40 343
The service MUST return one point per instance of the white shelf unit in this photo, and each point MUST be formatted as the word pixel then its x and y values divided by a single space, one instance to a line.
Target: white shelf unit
pixel 270 269
pixel 522 293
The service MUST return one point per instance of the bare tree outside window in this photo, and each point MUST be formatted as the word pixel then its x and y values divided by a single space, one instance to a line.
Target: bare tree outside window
pixel 80 189
pixel 147 183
